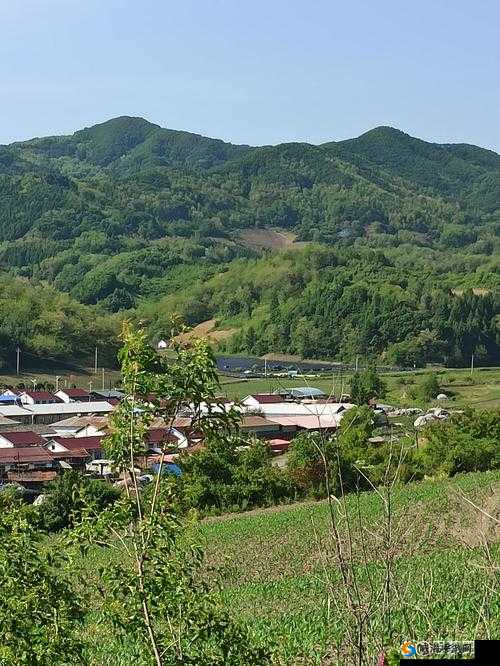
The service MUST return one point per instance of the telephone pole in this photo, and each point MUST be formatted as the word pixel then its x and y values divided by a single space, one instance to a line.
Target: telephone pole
pixel 95 361
pixel 18 352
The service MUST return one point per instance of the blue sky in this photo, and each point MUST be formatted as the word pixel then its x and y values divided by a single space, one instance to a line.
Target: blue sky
pixel 253 71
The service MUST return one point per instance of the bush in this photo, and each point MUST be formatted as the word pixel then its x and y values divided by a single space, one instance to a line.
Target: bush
pixel 465 443
pixel 367 385
pixel 68 496
pixel 224 476
pixel 428 389
pixel 306 463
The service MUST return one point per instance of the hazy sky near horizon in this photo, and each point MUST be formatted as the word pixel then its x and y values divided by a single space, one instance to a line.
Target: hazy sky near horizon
pixel 253 71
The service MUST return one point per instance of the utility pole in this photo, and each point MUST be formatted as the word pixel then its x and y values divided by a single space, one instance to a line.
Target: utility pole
pixel 95 362
pixel 472 364
pixel 18 351
pixel 103 379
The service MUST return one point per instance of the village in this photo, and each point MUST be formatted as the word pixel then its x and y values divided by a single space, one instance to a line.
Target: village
pixel 44 433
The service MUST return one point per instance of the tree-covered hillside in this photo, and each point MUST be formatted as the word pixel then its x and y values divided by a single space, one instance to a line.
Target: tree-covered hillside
pixel 127 215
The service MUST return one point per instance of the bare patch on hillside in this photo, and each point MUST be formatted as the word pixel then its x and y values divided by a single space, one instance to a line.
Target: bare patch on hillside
pixel 477 291
pixel 271 239
pixel 208 331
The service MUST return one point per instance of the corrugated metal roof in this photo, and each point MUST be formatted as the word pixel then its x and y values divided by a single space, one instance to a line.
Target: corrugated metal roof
pixel 58 408
pixel 75 453
pixel 303 409
pixel 76 422
pixel 158 435
pixel 22 438
pixel 72 443
pixel 264 398
pixel 256 422
pixel 307 422
pixel 30 454
pixel 75 392
pixel 41 395
pixel 304 391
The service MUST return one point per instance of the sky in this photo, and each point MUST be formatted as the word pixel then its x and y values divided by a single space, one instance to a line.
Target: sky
pixel 253 71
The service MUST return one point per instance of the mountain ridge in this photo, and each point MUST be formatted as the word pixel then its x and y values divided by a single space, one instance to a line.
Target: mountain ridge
pixel 132 217
pixel 378 129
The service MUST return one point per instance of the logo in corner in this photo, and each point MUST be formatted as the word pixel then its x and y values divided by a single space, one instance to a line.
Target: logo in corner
pixel 408 649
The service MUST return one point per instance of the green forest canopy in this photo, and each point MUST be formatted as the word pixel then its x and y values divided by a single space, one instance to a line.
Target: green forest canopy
pixel 129 217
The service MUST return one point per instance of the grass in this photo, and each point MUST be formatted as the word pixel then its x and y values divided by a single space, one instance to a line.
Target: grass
pixel 482 390
pixel 277 575
pixel 81 377
pixel 271 564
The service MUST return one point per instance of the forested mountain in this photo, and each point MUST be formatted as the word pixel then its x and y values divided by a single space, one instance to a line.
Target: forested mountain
pixel 129 216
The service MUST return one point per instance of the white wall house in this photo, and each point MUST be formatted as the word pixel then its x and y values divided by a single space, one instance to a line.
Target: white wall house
pixel 73 395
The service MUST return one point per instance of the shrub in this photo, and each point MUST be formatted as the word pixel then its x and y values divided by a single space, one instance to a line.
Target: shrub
pixel 68 496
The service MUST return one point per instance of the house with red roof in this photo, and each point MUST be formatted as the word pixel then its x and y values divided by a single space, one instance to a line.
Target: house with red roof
pixel 73 395
pixel 31 466
pixel 256 400
pixel 19 439
pixel 159 438
pixel 67 446
pixel 38 398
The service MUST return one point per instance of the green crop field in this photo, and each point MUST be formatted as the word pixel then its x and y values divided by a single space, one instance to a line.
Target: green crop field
pixel 277 573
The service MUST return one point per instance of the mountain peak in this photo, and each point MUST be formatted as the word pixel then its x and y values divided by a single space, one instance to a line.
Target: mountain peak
pixel 114 138
pixel 120 123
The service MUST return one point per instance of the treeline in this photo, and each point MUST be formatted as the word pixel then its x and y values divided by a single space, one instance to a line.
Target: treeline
pixel 325 303
pixel 91 205
pixel 125 214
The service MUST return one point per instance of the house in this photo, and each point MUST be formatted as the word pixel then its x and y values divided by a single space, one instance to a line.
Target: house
pixel 37 398
pixel 73 395
pixel 107 394
pixel 50 413
pixel 258 399
pixel 60 446
pixel 20 439
pixel 293 409
pixel 302 393
pixel 309 422
pixel 74 459
pixel 259 426
pixel 82 426
pixel 158 438
pixel 31 466
pixel 7 424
